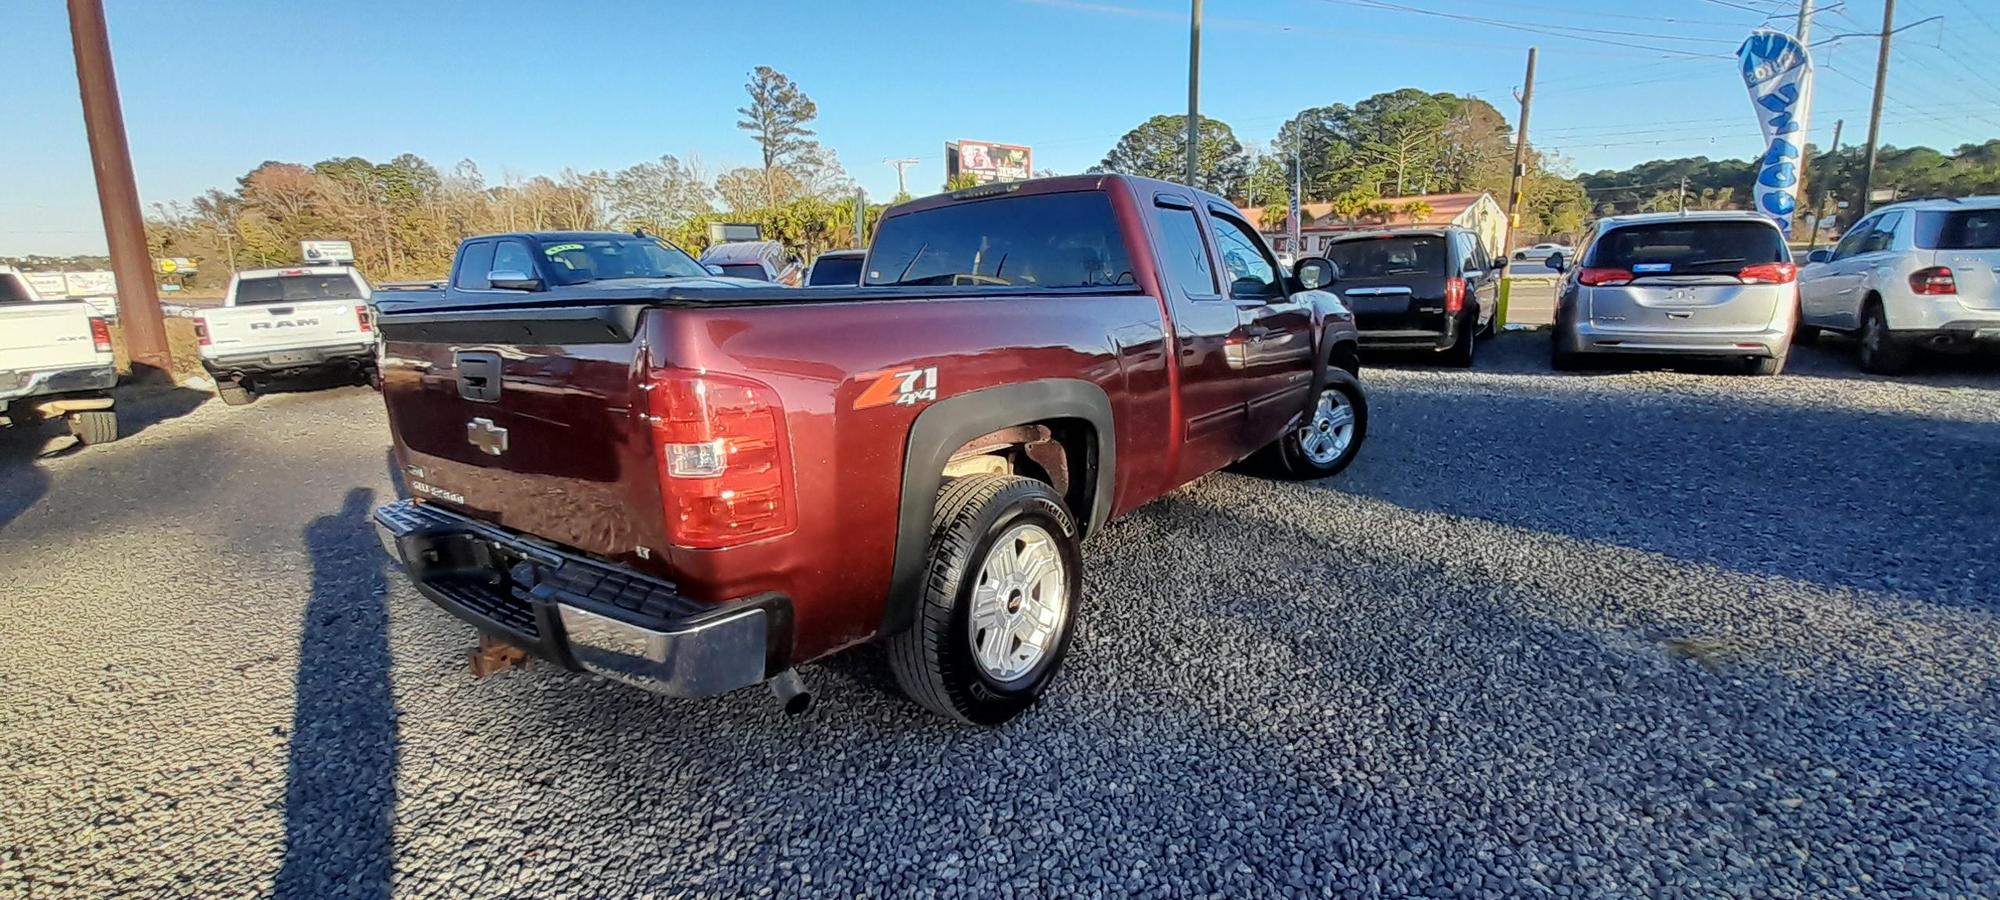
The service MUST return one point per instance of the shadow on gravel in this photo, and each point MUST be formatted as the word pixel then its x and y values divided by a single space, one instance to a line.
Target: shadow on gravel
pixel 23 482
pixel 340 775
pixel 1834 357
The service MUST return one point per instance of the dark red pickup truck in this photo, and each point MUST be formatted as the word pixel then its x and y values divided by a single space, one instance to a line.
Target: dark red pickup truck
pixel 624 465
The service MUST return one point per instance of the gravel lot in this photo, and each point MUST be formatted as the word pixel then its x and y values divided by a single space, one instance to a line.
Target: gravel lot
pixel 1628 632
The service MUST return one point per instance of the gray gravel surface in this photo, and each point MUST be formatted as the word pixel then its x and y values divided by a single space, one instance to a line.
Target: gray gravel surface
pixel 1631 633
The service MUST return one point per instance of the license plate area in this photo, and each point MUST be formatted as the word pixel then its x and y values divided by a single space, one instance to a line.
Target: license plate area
pixel 290 357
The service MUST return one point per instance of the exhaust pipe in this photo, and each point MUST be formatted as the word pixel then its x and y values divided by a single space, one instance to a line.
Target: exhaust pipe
pixel 791 692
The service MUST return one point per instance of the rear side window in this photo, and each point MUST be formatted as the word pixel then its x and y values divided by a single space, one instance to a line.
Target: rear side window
pixel 297 289
pixel 13 290
pixel 1182 252
pixel 836 270
pixel 473 264
pixel 1968 229
pixel 1038 241
pixel 745 270
pixel 1390 257
pixel 1688 248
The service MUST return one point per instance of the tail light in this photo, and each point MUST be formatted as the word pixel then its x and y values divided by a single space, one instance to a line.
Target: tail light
pixel 363 319
pixel 1454 295
pixel 201 331
pixel 100 334
pixel 725 464
pixel 1934 280
pixel 1769 273
pixel 1603 277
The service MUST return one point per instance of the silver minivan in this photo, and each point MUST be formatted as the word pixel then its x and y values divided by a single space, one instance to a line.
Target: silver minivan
pixel 1701 284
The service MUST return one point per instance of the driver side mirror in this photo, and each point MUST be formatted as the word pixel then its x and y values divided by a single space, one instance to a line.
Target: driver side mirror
pixel 1556 262
pixel 512 280
pixel 712 268
pixel 1316 272
pixel 1819 256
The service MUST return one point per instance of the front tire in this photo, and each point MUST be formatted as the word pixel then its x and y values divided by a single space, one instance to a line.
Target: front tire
pixel 94 426
pixel 1879 353
pixel 999 600
pixel 1331 435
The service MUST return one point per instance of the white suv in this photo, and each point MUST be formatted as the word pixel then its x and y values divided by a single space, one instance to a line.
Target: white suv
pixel 1918 275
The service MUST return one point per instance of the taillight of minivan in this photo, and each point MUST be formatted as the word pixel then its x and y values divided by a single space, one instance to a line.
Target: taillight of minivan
pixel 1454 295
pixel 1769 273
pixel 1934 281
pixel 1597 277
pixel 724 462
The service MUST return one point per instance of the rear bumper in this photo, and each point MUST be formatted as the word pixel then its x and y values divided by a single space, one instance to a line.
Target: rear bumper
pixel 1970 334
pixel 94 378
pixel 1411 338
pixel 272 362
pixel 584 614
pixel 1584 337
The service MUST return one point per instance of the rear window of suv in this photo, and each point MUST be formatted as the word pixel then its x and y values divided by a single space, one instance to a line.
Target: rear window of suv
pixel 1065 240
pixel 1390 257
pixel 1967 229
pixel 1688 248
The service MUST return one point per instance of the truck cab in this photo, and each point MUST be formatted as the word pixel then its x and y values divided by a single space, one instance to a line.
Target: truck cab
pixel 55 360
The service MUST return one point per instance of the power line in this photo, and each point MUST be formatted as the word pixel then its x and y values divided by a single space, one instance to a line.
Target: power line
pixel 1575 33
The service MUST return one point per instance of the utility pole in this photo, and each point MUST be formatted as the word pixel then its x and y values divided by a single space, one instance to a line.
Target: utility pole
pixel 1527 98
pixel 1819 199
pixel 117 194
pixel 861 215
pixel 1194 91
pixel 1875 107
pixel 900 165
pixel 1684 195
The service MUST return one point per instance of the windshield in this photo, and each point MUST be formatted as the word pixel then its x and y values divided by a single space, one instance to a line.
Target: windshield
pixel 1969 229
pixel 1389 257
pixel 745 270
pixel 1038 241
pixel 1689 248
pixel 609 259
pixel 297 289
pixel 836 270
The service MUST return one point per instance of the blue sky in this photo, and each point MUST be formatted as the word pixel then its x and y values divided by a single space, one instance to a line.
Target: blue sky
pixel 213 87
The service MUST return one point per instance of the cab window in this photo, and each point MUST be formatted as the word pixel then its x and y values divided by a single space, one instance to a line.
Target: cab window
pixel 1251 273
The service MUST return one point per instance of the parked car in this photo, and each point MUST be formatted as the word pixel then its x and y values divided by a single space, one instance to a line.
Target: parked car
pixel 1419 289
pixel 1916 276
pixel 841 267
pixel 279 323
pixel 695 490
pixel 55 360
pixel 1540 252
pixel 755 260
pixel 1702 284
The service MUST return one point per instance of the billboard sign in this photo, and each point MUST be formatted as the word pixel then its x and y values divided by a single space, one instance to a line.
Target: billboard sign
pixel 1778 71
pixel 988 161
pixel 731 232
pixel 47 284
pixel 326 253
pixel 90 284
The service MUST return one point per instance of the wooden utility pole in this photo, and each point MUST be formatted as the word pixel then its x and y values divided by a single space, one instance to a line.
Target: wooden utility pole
pixel 117 194
pixel 1819 199
pixel 1527 98
pixel 1875 107
pixel 1684 195
pixel 1194 93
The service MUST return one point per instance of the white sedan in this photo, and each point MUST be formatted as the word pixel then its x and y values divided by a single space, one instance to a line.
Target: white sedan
pixel 1544 251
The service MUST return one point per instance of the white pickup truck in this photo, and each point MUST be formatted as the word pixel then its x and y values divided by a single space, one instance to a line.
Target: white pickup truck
pixel 55 360
pixel 275 323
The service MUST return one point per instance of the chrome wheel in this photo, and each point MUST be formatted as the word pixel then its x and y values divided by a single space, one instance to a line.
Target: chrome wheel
pixel 1018 604
pixel 1326 435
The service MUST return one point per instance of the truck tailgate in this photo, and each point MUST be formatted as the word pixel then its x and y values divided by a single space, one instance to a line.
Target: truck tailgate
pixel 534 427
pixel 283 326
pixel 46 335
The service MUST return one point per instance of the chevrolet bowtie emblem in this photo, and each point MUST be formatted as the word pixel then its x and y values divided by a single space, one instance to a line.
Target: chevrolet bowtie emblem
pixel 491 439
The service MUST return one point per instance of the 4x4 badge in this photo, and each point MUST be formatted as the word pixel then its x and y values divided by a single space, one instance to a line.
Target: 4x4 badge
pixel 902 387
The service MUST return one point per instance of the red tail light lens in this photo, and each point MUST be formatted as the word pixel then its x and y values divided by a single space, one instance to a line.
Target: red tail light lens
pixel 100 334
pixel 1934 280
pixel 201 331
pixel 1603 277
pixel 1454 295
pixel 1769 273
pixel 362 318
pixel 725 464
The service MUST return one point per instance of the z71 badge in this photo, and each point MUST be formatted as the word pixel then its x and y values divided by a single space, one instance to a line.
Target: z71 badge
pixel 903 387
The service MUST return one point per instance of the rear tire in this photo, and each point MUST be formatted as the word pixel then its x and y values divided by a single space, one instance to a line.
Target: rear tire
pixel 1805 336
pixel 1460 354
pixel 1765 365
pixel 235 393
pixel 1330 437
pixel 94 426
pixel 1879 353
pixel 1000 593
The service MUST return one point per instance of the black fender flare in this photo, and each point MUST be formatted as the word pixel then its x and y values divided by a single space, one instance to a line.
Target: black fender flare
pixel 946 425
pixel 1334 332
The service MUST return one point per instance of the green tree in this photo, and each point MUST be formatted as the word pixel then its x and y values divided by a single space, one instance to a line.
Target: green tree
pixel 777 116
pixel 1158 149
pixel 961 181
pixel 657 194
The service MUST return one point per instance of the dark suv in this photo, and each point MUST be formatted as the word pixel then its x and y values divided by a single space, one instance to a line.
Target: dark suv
pixel 1419 289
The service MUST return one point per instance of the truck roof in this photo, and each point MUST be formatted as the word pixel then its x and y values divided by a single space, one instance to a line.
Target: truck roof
pixel 562 236
pixel 1055 185
pixel 293 270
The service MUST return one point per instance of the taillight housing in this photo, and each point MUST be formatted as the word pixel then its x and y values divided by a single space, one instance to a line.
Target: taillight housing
pixel 724 461
pixel 201 331
pixel 100 334
pixel 1454 295
pixel 363 319
pixel 1936 280
pixel 1596 277
pixel 1769 273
